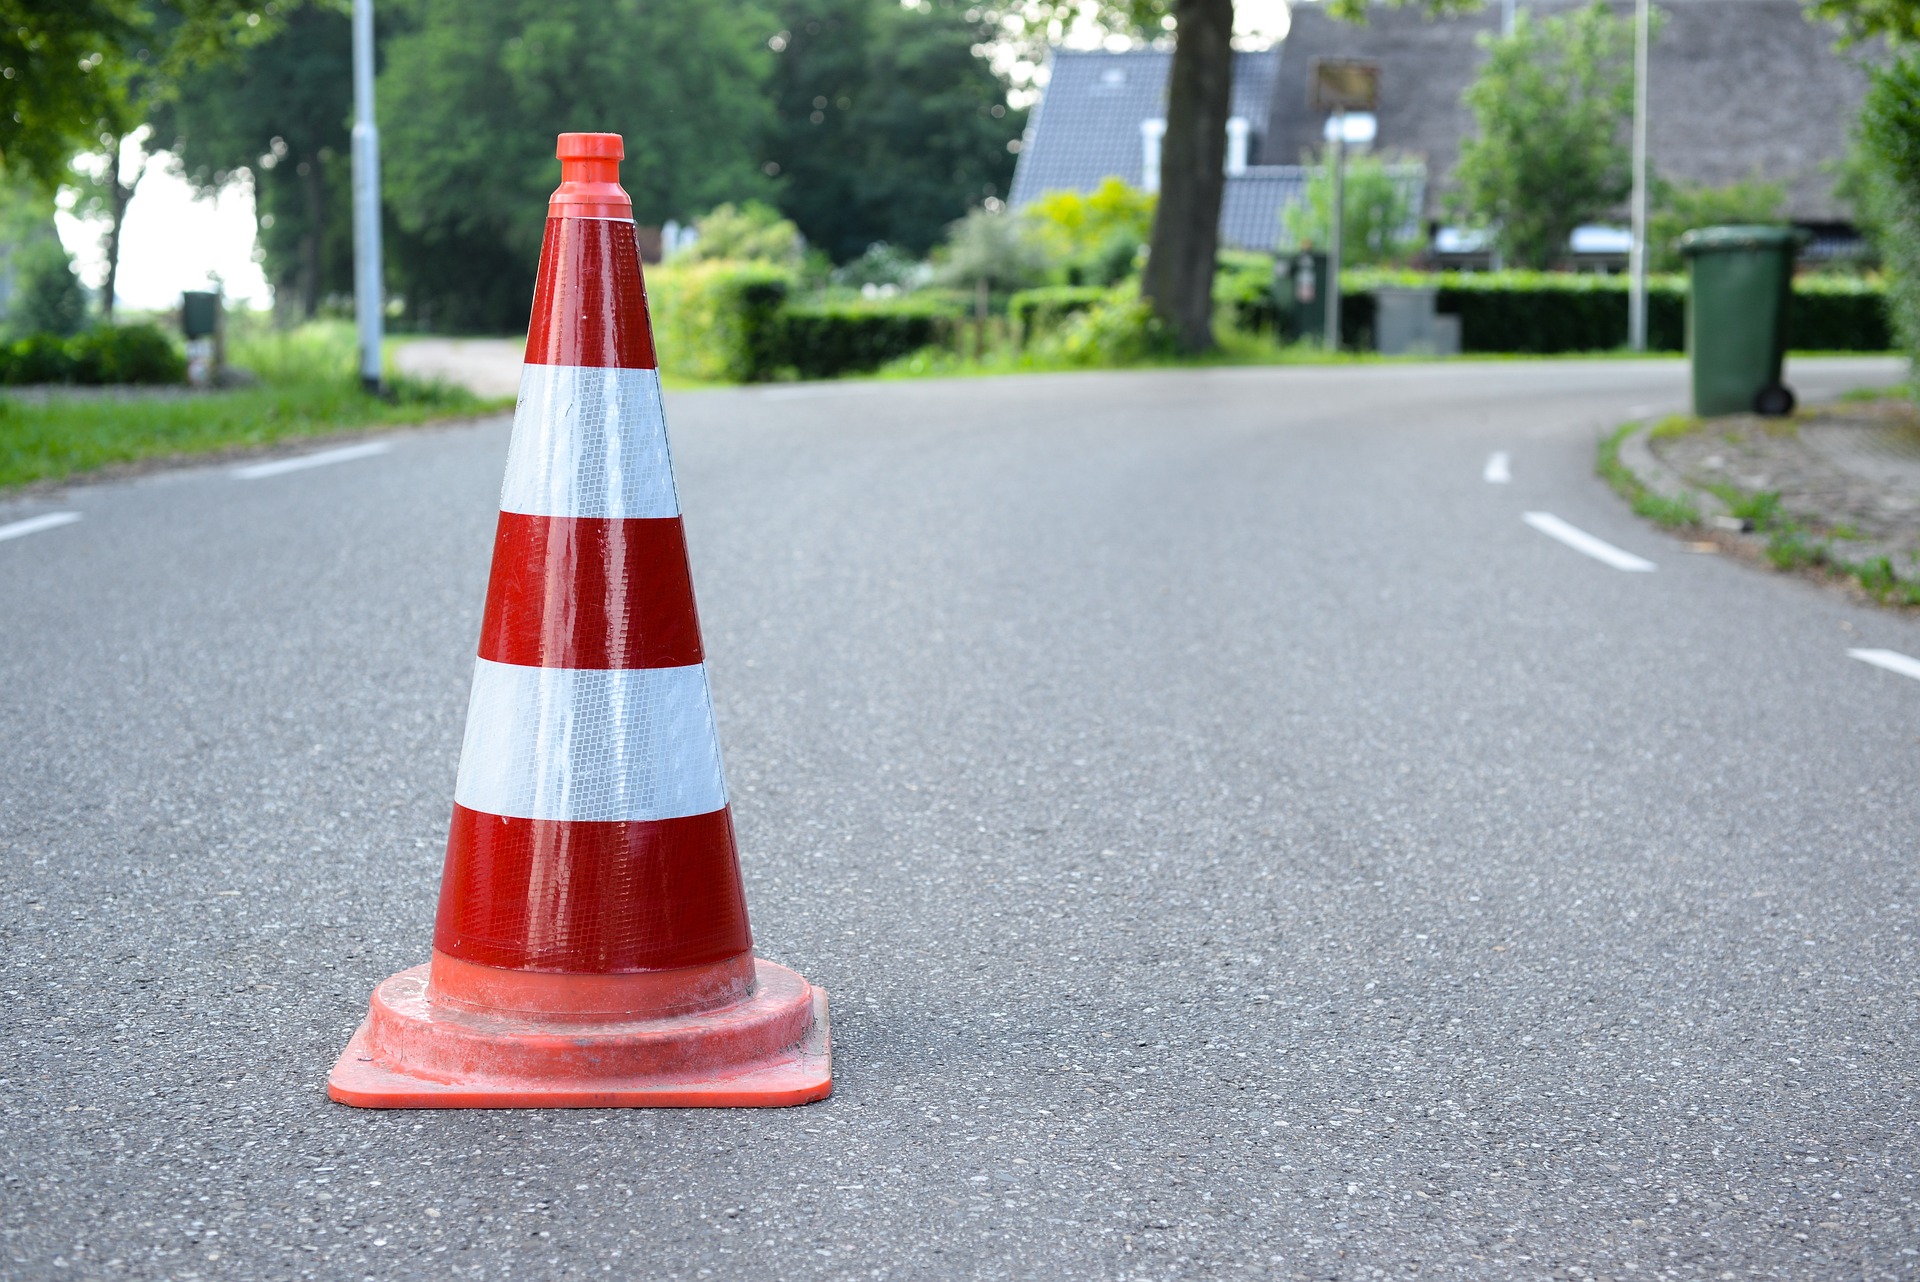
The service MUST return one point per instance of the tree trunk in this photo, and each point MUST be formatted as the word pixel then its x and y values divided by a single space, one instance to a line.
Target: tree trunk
pixel 1186 227
pixel 118 196
pixel 313 239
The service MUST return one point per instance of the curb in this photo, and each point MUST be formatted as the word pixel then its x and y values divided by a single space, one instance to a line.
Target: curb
pixel 1637 457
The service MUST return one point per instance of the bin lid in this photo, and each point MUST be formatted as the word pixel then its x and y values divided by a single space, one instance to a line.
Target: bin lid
pixel 1709 240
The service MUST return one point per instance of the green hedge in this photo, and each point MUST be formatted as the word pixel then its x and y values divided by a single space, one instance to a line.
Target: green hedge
pixel 736 323
pixel 107 354
pixel 828 340
pixel 1036 311
pixel 1545 313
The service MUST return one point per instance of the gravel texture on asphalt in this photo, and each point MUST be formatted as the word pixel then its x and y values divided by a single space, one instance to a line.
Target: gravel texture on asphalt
pixel 1235 844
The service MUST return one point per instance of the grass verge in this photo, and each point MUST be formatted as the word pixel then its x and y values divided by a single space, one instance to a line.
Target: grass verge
pixel 305 388
pixel 1786 543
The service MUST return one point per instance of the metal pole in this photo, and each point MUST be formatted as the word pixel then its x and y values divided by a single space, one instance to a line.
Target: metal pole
pixel 368 301
pixel 1637 252
pixel 1338 163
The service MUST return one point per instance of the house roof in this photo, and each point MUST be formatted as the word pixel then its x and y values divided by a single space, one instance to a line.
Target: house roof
pixel 1736 88
pixel 1086 126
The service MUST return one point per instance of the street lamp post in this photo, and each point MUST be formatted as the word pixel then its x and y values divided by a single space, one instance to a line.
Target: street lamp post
pixel 1337 224
pixel 368 302
pixel 1637 252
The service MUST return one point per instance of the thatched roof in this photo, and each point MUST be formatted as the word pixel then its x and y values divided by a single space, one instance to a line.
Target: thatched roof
pixel 1737 88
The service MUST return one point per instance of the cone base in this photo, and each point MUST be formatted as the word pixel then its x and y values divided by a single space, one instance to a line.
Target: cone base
pixel 771 1050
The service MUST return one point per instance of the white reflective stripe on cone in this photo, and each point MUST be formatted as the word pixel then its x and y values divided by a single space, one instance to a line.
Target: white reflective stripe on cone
pixel 580 744
pixel 589 442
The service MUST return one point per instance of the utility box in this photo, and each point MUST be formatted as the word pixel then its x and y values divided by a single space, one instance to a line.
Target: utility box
pixel 1407 322
pixel 1300 294
pixel 202 325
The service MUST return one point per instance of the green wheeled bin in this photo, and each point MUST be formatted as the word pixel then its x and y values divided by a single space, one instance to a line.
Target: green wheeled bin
pixel 1300 295
pixel 1737 305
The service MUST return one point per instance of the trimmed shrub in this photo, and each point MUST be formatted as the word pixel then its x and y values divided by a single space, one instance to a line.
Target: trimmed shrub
pixel 1039 311
pixel 828 340
pixel 126 354
pixel 108 354
pixel 718 320
pixel 1839 314
pixel 1545 313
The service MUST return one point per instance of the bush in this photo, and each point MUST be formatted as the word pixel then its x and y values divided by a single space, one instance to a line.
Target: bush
pixel 1039 311
pixel 828 340
pixel 1120 331
pixel 37 358
pixel 1889 185
pixel 1839 314
pixel 108 354
pixel 49 298
pixel 1546 313
pixel 127 354
pixel 717 320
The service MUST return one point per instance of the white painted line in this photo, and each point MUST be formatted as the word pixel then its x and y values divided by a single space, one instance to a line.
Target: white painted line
pixel 1580 541
pixel 1496 472
pixel 254 471
pixel 1891 660
pixel 35 524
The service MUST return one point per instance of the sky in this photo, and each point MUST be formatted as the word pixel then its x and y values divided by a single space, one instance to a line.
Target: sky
pixel 173 242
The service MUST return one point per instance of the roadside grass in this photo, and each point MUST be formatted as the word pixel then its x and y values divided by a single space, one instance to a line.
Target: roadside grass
pixel 305 388
pixel 1787 543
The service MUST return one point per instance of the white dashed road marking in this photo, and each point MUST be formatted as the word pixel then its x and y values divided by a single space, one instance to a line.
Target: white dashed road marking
pixel 1891 660
pixel 35 524
pixel 1580 541
pixel 1496 472
pixel 346 453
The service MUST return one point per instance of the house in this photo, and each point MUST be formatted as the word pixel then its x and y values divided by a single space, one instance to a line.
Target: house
pixel 1736 89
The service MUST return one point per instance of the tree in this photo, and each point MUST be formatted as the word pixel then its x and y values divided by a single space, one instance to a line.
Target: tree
pixel 1095 236
pixel 887 125
pixel 474 93
pixel 280 114
pixel 1897 20
pixel 1551 106
pixel 1380 220
pixel 81 75
pixel 1889 186
pixel 1678 207
pixel 753 232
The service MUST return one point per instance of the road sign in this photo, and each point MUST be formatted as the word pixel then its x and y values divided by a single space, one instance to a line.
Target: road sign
pixel 1345 84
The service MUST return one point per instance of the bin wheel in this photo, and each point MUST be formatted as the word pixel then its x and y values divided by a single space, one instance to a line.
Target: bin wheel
pixel 1775 400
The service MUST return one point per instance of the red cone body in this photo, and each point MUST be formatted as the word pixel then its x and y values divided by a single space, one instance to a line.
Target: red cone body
pixel 592 946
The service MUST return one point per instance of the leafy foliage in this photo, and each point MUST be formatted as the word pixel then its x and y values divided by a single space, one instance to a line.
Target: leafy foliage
pixel 1380 223
pixel 1551 107
pixel 49 298
pixel 990 247
pixel 1679 207
pixel 750 233
pixel 104 354
pixel 281 115
pixel 1898 20
pixel 1095 236
pixel 886 124
pixel 1889 144
pixel 474 92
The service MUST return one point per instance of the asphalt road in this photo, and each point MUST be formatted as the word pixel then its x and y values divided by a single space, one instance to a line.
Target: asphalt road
pixel 1237 845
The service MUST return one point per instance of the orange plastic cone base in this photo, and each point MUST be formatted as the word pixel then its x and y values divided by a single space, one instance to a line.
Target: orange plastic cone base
pixel 771 1049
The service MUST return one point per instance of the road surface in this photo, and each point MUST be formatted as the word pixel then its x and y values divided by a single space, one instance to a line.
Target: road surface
pixel 1239 842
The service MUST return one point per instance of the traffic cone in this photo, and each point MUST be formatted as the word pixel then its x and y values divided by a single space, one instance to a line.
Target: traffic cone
pixel 592 947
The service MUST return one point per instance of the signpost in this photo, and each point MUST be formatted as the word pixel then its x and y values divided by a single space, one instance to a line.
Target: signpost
pixel 1340 85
